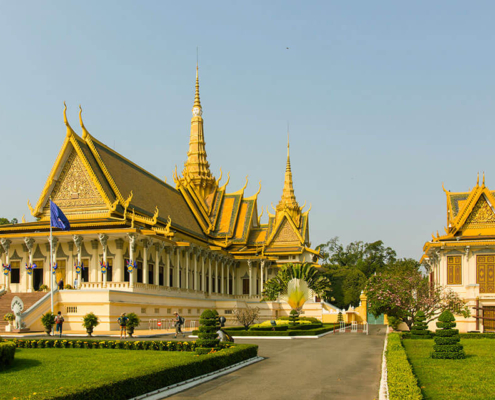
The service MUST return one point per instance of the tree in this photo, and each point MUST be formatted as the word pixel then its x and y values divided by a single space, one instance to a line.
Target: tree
pixel 403 295
pixel 5 221
pixel 315 279
pixel 246 316
pixel 447 339
pixel 420 328
pixel 209 325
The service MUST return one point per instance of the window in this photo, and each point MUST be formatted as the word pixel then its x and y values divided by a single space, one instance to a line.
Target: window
pixel 157 310
pixel 454 270
pixel 485 266
pixel 189 311
pixel 15 273
pixel 38 274
pixel 150 274
pixel 245 286
pixel 109 269
pixel 85 271
pixel 198 311
pixel 169 311
pixel 160 276
pixel 228 312
pixel 71 310
pixel 143 310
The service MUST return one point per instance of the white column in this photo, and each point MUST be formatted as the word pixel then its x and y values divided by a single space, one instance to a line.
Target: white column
pixel 132 248
pixel 94 275
pixel 234 283
pixel 209 275
pixel 222 276
pixel 262 267
pixel 196 256
pixel 6 246
pixel 216 275
pixel 78 242
pixel 167 281
pixel 250 266
pixel 103 240
pixel 159 248
pixel 118 262
pixel 146 246
pixel 30 244
pixel 203 275
pixel 177 267
pixel 187 254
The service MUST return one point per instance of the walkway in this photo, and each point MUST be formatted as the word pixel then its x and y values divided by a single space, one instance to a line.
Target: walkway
pixel 340 366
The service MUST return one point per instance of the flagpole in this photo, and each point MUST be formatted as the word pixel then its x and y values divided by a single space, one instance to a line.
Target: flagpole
pixel 51 256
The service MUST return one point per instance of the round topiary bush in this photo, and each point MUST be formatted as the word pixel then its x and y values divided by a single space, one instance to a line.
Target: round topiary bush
pixel 294 317
pixel 447 339
pixel 420 328
pixel 209 325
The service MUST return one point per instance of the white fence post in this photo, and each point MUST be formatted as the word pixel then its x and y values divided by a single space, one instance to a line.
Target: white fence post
pixel 342 326
pixel 354 327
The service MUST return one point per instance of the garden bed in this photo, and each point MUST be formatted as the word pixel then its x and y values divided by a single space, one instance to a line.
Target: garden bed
pixel 239 331
pixel 110 373
pixel 468 379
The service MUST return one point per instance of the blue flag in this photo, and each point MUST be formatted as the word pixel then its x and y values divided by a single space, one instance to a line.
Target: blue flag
pixel 58 218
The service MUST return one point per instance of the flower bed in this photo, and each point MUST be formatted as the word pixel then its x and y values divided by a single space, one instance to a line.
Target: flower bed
pixel 160 345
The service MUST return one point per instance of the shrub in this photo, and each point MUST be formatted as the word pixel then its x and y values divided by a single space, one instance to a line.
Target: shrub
pixel 9 317
pixel 340 318
pixel 133 320
pixel 90 321
pixel 246 316
pixel 208 328
pixel 43 288
pixel 7 351
pixel 48 320
pixel 402 384
pixel 294 317
pixel 394 322
pixel 450 348
pixel 420 328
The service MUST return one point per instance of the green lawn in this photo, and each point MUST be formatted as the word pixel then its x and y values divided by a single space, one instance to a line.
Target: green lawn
pixel 45 373
pixel 469 379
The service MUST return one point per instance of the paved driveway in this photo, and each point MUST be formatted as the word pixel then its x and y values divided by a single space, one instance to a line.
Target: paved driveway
pixel 340 366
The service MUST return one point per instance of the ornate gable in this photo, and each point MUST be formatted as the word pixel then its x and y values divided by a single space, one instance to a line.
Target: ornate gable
pixel 285 235
pixel 75 189
pixel 481 216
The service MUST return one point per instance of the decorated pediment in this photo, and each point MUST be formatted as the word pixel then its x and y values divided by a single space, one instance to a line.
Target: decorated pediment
pixel 75 188
pixel 285 235
pixel 481 216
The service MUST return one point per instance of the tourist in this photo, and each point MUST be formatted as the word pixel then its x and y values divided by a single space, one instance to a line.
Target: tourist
pixel 76 283
pixel 123 325
pixel 179 321
pixel 59 320
pixel 60 284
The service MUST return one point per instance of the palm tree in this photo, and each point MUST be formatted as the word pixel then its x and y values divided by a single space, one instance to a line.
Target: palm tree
pixel 318 283
pixel 298 293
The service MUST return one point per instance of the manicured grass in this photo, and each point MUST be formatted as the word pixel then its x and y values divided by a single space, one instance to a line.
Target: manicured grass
pixel 467 379
pixel 48 373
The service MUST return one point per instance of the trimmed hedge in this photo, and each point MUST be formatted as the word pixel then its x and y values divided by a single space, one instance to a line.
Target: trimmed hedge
pixel 402 384
pixel 136 386
pixel 420 328
pixel 449 350
pixel 472 335
pixel 290 332
pixel 208 336
pixel 7 352
pixel 268 328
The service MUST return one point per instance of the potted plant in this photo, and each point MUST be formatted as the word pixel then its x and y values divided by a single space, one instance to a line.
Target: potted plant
pixel 133 321
pixel 9 317
pixel 48 320
pixel 43 288
pixel 90 321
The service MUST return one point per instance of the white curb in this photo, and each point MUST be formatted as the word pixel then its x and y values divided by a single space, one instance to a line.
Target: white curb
pixel 181 386
pixel 384 379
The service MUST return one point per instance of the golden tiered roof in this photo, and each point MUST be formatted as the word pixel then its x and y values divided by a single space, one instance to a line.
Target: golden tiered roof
pixel 97 187
pixel 470 218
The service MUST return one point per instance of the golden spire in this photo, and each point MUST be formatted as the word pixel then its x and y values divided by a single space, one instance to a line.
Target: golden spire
pixel 288 201
pixel 197 168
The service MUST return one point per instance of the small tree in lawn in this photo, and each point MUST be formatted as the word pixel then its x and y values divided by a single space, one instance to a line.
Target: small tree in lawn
pixel 420 328
pixel 246 316
pixel 208 337
pixel 293 317
pixel 447 339
pixel 340 318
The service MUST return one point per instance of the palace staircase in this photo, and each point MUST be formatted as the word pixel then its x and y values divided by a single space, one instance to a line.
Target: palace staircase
pixel 6 299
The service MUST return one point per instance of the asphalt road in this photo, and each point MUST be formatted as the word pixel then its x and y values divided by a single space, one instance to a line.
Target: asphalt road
pixel 340 366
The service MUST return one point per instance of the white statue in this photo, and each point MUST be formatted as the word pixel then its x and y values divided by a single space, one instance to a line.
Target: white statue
pixel 17 306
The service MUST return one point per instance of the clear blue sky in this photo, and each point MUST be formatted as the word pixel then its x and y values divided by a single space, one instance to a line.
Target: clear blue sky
pixel 385 100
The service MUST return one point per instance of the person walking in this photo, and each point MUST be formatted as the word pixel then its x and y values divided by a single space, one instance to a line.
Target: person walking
pixel 59 320
pixel 123 325
pixel 179 321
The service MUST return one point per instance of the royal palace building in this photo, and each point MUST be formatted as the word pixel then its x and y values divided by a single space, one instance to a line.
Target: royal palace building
pixel 464 258
pixel 138 244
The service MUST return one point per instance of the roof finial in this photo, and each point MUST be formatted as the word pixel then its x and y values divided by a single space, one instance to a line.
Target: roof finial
pixel 483 178
pixel 478 180
pixel 66 122
pixel 197 111
pixel 85 132
pixel 287 168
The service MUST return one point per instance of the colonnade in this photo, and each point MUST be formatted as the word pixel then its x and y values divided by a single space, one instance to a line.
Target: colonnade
pixel 188 267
